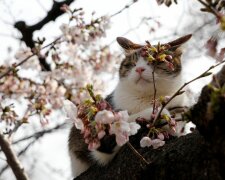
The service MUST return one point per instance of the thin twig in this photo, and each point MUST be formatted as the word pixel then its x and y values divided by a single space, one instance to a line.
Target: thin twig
pixel 27 58
pixel 179 91
pixel 210 8
pixel 155 90
pixel 16 127
pixel 137 153
pixel 39 134
pixel 125 7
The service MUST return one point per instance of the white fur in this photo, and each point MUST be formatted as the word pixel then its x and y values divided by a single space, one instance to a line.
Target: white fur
pixel 104 158
pixel 134 94
pixel 77 166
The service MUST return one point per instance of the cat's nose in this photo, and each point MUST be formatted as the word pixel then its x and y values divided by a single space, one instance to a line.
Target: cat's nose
pixel 139 70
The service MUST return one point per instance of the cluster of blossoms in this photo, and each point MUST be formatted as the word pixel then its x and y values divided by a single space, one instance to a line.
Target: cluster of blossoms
pixel 80 32
pixel 158 130
pixel 8 114
pixel 158 53
pixel 95 118
pixel 76 59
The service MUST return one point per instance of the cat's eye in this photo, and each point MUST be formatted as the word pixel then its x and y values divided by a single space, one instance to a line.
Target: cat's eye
pixel 129 65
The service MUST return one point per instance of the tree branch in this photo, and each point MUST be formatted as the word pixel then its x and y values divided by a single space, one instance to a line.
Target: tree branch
pixel 35 137
pixel 27 58
pixel 179 91
pixel 27 31
pixel 12 159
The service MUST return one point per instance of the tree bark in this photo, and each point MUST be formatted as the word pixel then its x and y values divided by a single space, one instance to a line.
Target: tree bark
pixel 12 159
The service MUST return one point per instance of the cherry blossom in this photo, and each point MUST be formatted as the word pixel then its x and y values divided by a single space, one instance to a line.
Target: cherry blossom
pixel 145 142
pixel 104 117
pixel 156 143
pixel 122 128
pixel 71 111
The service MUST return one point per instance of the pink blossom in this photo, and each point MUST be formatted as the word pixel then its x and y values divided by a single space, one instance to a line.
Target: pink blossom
pixel 122 116
pixel 160 136
pixel 104 117
pixel 133 128
pixel 87 132
pixel 41 89
pixel 172 122
pixel 145 142
pixel 79 124
pixel 156 143
pixel 71 111
pixel 172 130
pixel 122 138
pixel 101 134
pixel 93 145
pixel 52 85
pixel 61 91
pixel 123 129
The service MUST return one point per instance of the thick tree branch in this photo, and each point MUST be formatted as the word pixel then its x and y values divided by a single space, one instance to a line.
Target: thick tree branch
pixel 12 159
pixel 27 31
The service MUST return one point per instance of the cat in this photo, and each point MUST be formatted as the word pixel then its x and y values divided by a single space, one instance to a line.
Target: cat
pixel 133 93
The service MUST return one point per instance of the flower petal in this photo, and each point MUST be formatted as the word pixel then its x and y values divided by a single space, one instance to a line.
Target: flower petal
pixel 70 109
pixel 145 142
pixel 104 117
pixel 134 128
pixel 121 139
pixel 156 143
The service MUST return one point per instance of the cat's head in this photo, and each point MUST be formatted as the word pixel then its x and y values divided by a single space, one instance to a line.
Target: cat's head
pixel 137 69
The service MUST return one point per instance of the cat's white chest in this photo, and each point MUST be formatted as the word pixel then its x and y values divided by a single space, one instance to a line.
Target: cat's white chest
pixel 126 98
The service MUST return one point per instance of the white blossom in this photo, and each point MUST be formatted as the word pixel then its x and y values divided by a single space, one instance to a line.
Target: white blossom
pixel 104 117
pixel 71 111
pixel 156 143
pixel 145 142
pixel 122 128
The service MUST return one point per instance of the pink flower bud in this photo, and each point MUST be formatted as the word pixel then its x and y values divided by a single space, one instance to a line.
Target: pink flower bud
pixel 160 136
pixel 101 134
pixel 93 146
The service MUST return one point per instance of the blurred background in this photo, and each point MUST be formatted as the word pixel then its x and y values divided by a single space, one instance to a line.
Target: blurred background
pixel 42 147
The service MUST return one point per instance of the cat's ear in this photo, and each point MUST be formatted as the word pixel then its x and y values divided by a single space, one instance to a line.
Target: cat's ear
pixel 180 41
pixel 128 45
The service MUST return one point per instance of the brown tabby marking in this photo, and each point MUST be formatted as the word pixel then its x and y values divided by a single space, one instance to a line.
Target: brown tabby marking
pixel 78 146
pixel 130 61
